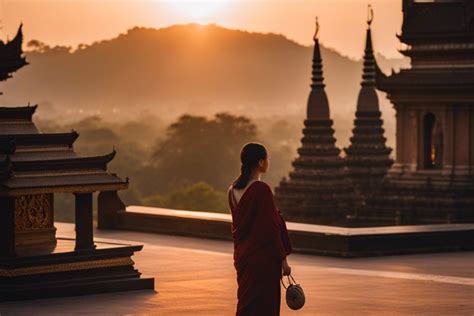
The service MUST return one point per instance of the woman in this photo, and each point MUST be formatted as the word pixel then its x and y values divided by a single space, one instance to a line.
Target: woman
pixel 261 242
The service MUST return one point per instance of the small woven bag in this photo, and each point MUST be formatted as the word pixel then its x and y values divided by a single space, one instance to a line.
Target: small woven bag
pixel 295 298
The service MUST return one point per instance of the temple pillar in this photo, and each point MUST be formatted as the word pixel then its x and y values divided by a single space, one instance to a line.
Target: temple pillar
pixel 84 221
pixel 411 138
pixel 471 141
pixel 462 149
pixel 451 141
pixel 108 204
pixel 423 140
pixel 399 135
pixel 407 138
pixel 7 226
pixel 446 141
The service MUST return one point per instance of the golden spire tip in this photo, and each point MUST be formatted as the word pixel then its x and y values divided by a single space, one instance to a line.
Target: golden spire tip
pixel 315 37
pixel 370 14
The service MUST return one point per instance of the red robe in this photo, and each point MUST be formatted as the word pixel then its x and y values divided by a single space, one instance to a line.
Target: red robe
pixel 261 242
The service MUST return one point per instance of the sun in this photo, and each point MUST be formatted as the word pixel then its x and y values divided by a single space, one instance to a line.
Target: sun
pixel 199 11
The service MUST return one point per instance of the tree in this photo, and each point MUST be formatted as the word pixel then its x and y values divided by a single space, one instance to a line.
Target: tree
pixel 37 46
pixel 197 197
pixel 200 149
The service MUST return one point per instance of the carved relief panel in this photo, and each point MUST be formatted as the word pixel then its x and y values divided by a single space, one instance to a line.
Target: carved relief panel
pixel 33 212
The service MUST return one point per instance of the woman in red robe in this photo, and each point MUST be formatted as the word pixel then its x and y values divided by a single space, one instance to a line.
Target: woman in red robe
pixel 261 242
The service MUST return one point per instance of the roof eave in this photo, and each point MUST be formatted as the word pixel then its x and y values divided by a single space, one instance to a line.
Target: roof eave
pixel 6 191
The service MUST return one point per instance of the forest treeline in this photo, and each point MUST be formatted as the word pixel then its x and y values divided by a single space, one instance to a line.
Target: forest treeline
pixel 188 164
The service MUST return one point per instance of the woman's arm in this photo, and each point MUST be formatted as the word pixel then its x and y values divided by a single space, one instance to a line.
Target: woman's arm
pixel 285 267
pixel 271 222
pixel 284 234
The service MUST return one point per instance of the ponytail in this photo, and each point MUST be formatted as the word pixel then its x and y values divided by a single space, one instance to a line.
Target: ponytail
pixel 250 155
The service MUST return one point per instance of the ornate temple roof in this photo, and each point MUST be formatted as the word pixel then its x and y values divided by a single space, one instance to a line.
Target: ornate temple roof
pixel 440 39
pixel 17 113
pixel 11 58
pixel 438 33
pixel 34 162
pixel 433 21
pixel 459 79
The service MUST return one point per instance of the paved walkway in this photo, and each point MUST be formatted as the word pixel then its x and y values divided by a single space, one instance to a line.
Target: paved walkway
pixel 196 277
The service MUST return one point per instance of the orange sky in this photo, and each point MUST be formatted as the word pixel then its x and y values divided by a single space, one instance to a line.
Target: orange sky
pixel 70 22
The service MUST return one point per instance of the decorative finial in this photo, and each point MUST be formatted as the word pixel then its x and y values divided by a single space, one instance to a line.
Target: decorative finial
pixel 315 37
pixel 370 15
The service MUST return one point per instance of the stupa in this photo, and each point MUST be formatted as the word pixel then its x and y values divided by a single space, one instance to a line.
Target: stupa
pixel 368 157
pixel 318 189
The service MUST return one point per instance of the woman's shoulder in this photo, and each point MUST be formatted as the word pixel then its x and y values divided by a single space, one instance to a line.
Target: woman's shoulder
pixel 262 186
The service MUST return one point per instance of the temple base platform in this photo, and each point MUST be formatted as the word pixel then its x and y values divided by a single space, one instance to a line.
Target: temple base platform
pixel 36 273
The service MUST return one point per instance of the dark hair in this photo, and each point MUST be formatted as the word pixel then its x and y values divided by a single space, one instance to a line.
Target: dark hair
pixel 250 155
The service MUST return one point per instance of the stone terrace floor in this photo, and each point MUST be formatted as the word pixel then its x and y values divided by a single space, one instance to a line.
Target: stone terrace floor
pixel 196 277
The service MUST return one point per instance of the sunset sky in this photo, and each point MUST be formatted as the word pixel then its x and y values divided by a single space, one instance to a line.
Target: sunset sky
pixel 70 22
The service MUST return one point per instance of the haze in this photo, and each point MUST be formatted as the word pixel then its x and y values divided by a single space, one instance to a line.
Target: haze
pixel 72 22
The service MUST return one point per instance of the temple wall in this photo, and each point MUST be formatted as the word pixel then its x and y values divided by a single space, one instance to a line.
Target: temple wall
pixel 457 127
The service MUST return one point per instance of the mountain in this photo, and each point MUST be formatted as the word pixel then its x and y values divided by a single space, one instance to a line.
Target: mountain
pixel 185 69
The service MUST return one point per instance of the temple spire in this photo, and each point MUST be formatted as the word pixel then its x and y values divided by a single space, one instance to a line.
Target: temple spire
pixel 368 157
pixel 368 75
pixel 368 100
pixel 318 105
pixel 317 189
pixel 317 78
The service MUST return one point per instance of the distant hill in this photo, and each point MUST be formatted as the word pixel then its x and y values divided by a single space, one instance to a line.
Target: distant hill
pixel 185 68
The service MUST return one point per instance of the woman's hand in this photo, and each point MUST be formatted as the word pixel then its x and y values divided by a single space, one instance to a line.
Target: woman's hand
pixel 286 269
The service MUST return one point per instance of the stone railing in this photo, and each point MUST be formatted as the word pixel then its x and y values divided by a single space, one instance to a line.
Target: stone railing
pixel 305 238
